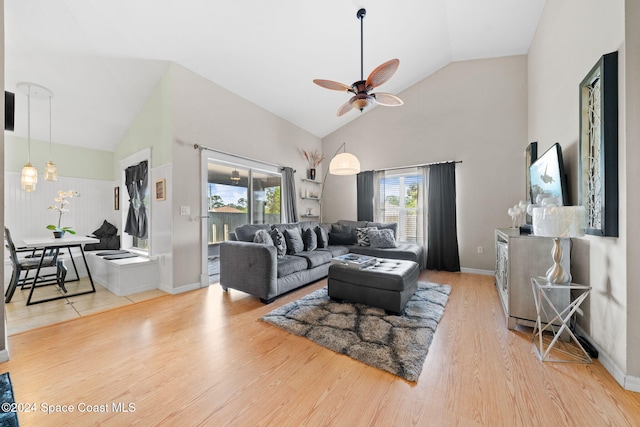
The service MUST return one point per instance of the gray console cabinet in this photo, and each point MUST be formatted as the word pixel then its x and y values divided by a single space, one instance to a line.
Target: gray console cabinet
pixel 518 259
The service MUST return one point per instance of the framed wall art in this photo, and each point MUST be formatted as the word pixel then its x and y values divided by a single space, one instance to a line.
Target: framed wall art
pixel 598 147
pixel 116 198
pixel 161 190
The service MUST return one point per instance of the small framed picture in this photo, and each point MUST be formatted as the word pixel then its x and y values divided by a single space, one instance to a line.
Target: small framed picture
pixel 161 191
pixel 116 198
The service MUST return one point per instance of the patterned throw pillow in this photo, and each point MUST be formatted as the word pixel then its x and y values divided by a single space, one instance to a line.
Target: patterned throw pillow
pixel 278 242
pixel 382 239
pixel 362 235
pixel 262 236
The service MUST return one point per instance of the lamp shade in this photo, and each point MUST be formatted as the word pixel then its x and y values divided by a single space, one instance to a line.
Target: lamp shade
pixel 559 221
pixel 29 178
pixel 344 164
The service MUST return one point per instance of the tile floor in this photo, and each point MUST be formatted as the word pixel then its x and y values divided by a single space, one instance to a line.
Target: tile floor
pixel 21 317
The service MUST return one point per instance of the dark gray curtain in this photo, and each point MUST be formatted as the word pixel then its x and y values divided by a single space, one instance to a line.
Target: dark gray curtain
pixel 442 252
pixel 289 187
pixel 136 181
pixel 365 195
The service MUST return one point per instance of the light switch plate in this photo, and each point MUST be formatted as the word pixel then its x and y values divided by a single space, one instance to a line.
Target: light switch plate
pixel 185 210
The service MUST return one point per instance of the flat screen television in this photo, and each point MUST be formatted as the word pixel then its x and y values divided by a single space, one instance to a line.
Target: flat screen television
pixel 547 176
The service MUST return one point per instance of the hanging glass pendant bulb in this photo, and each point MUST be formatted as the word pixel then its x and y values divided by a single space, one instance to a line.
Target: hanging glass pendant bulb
pixel 50 170
pixel 29 177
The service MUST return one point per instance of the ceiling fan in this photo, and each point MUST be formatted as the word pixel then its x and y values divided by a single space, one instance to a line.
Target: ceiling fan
pixel 361 89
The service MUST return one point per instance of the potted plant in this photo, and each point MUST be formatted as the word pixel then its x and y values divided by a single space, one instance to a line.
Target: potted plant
pixel 314 158
pixel 61 207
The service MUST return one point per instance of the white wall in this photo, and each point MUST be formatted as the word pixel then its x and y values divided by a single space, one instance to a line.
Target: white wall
pixel 632 99
pixel 27 214
pixel 209 115
pixel 473 111
pixel 571 36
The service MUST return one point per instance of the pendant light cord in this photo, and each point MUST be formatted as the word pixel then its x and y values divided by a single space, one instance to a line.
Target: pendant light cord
pixel 49 127
pixel 29 126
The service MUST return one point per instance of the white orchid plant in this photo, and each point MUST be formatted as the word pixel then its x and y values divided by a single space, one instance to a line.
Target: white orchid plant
pixel 62 201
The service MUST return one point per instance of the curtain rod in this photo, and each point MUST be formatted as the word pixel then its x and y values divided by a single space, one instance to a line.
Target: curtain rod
pixel 420 165
pixel 202 147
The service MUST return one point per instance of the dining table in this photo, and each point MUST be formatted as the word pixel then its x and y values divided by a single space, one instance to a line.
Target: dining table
pixel 51 244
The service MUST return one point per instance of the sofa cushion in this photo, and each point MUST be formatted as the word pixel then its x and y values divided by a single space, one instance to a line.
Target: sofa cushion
pixel 278 242
pixel 341 239
pixel 322 237
pixel 385 225
pixel 315 258
pixel 335 250
pixel 262 236
pixel 352 224
pixel 362 236
pixel 290 264
pixel 382 239
pixel 294 241
pixel 247 232
pixel 310 240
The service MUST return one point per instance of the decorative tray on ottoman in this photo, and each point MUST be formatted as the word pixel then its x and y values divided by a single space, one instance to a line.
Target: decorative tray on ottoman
pixel 354 260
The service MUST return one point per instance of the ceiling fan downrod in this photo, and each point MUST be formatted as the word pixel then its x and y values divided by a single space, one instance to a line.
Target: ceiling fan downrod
pixel 361 14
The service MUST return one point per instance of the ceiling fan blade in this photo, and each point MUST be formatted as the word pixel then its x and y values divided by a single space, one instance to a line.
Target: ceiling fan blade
pixel 387 99
pixel 345 108
pixel 382 73
pixel 329 84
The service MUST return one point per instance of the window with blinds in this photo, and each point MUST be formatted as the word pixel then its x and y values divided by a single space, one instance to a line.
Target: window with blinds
pixel 399 193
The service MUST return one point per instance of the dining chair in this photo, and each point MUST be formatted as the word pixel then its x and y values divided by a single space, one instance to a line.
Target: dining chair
pixel 31 263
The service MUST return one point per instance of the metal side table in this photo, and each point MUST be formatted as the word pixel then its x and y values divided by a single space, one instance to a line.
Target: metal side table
pixel 555 321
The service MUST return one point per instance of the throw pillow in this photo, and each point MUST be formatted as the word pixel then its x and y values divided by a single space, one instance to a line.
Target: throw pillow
pixel 278 242
pixel 338 228
pixel 323 237
pixel 106 230
pixel 382 239
pixel 310 240
pixel 393 226
pixel 340 239
pixel 294 241
pixel 262 236
pixel 362 235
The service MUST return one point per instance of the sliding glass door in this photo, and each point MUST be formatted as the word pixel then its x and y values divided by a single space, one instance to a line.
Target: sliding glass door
pixel 237 195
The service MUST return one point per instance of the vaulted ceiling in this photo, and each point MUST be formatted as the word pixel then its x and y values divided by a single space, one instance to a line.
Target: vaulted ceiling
pixel 102 59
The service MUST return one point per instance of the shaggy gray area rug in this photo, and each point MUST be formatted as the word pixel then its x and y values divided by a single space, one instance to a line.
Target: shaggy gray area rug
pixel 397 344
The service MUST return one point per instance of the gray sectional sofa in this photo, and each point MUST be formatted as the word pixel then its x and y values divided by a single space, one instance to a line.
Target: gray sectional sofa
pixel 261 269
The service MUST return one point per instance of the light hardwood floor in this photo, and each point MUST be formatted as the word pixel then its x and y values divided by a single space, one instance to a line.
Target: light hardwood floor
pixel 22 317
pixel 204 358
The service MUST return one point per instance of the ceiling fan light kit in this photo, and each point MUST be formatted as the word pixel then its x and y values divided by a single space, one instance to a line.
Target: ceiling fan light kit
pixel 361 89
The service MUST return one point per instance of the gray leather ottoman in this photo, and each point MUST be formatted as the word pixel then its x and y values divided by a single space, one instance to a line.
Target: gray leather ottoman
pixel 389 284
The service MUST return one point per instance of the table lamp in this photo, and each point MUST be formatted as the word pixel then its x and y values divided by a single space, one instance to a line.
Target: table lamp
pixel 558 222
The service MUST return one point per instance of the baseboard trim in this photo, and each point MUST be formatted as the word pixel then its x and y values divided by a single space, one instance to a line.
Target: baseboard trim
pixel 627 382
pixel 4 355
pixel 477 271
pixel 181 289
